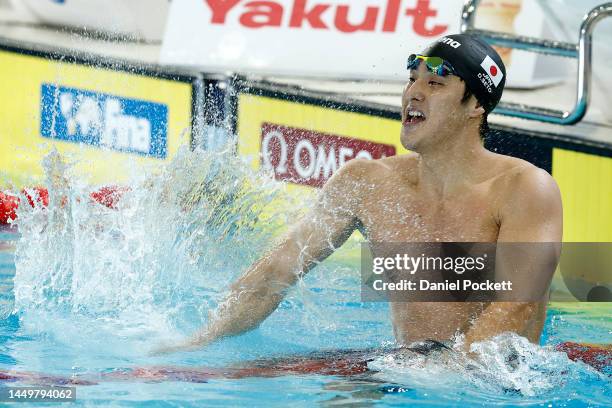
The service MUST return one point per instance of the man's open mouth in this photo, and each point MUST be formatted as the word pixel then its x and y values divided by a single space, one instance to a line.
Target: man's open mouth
pixel 414 116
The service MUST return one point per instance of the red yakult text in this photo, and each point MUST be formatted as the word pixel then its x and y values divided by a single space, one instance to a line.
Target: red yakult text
pixel 320 15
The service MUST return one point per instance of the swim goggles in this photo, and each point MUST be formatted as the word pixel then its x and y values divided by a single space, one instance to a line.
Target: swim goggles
pixel 435 65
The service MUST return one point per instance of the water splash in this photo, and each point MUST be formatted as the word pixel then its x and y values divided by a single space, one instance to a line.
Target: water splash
pixel 502 367
pixel 165 254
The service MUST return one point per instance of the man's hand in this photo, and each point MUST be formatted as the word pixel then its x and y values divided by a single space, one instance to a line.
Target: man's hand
pixel 192 344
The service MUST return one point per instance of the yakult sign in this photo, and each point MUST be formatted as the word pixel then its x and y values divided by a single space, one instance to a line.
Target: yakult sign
pixel 364 39
pixel 259 14
pixel 310 158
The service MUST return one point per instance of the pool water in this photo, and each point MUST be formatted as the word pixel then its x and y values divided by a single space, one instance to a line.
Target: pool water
pixel 88 291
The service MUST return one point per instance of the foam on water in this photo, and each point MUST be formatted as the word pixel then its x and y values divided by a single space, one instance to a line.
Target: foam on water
pixel 507 364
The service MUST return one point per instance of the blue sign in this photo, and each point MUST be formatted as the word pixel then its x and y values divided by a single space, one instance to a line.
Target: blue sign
pixel 108 121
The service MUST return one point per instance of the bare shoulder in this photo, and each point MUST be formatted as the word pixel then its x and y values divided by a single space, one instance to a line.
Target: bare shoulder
pixel 524 176
pixel 529 206
pixel 367 172
pixel 527 187
pixel 358 178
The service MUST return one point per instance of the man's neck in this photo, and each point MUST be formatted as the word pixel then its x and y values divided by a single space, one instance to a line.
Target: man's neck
pixel 452 166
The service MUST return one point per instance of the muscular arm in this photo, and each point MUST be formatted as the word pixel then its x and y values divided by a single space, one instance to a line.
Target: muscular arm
pixel 254 296
pixel 532 213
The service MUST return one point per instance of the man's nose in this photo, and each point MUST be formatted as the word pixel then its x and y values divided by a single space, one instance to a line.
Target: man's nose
pixel 415 91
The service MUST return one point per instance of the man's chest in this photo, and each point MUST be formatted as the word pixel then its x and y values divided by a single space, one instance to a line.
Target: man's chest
pixel 409 217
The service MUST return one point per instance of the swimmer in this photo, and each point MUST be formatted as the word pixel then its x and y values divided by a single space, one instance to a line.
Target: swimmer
pixel 448 189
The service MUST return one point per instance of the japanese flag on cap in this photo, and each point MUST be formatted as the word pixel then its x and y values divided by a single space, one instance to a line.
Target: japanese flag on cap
pixel 491 68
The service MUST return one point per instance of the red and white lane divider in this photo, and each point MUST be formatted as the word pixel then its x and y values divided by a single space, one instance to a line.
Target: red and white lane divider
pixel 108 196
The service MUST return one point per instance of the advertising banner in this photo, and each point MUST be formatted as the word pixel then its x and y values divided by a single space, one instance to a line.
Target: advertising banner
pixel 304 144
pixel 369 39
pixel 301 156
pixel 98 119
pixel 325 38
pixel 110 123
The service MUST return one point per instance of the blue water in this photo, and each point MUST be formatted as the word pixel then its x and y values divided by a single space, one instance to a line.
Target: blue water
pixel 86 291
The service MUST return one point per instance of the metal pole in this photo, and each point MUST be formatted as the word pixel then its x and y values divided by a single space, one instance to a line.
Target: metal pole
pixel 582 51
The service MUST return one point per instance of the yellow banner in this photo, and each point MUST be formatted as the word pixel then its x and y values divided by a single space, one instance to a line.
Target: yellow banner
pixel 585 181
pixel 109 123
pixel 309 142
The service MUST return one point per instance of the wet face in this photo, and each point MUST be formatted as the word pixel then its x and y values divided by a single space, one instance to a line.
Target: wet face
pixel 432 109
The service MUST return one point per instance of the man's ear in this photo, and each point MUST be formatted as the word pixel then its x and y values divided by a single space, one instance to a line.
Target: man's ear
pixel 477 111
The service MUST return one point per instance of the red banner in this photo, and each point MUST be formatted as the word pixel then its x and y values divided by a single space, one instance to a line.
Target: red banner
pixel 301 156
